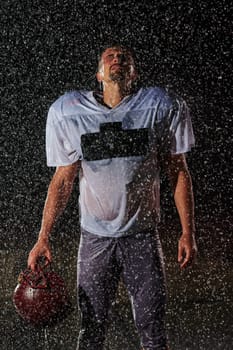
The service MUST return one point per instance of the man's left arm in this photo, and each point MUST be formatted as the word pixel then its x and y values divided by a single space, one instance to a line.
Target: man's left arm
pixel 183 195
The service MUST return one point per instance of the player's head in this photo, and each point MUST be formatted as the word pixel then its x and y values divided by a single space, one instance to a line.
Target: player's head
pixel 116 63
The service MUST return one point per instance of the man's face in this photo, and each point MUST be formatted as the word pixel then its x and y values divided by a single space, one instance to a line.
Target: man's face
pixel 116 64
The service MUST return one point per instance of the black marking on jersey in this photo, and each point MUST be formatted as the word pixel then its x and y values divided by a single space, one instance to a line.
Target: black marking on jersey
pixel 114 142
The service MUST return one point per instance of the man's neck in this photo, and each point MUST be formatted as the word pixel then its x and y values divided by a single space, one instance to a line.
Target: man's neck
pixel 114 93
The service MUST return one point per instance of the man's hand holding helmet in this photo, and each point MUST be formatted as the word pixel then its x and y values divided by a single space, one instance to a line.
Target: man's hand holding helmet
pixel 40 249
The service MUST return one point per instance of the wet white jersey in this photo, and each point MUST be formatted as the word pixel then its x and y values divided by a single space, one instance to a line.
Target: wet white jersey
pixel 118 149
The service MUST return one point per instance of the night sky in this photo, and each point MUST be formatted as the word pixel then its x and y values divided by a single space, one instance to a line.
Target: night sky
pixel 48 47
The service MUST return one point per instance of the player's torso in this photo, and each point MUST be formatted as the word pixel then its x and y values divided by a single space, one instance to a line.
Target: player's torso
pixel 118 152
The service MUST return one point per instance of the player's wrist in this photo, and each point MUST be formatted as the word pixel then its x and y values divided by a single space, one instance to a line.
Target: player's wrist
pixel 43 238
pixel 188 234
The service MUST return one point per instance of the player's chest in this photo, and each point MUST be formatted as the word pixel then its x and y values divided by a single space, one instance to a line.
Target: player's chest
pixel 114 135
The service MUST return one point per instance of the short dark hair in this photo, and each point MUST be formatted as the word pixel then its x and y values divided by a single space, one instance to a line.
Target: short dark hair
pixel 115 45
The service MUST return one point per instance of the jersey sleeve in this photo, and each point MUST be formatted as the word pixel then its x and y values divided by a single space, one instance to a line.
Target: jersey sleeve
pixel 61 149
pixel 178 131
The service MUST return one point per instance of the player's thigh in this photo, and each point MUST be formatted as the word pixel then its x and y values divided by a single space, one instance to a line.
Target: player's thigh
pixel 98 273
pixel 144 273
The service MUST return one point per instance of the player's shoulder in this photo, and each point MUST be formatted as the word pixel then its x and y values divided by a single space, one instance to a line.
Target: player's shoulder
pixel 156 96
pixel 65 104
pixel 69 98
pixel 155 92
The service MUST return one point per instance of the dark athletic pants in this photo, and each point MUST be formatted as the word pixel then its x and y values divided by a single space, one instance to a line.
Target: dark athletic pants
pixel 138 259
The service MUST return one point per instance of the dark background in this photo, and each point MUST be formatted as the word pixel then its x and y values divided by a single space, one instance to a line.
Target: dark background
pixel 51 46
pixel 48 47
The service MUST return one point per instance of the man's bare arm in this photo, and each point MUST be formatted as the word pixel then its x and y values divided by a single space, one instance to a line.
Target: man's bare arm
pixel 183 195
pixel 58 195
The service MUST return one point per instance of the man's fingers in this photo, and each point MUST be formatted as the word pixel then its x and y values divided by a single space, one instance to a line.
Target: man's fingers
pixel 48 258
pixel 43 260
pixel 189 259
pixel 32 266
pixel 184 256
pixel 185 263
pixel 180 254
pixel 187 251
pixel 40 254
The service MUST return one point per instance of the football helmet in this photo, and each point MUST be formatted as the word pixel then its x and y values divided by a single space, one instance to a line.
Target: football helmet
pixel 41 297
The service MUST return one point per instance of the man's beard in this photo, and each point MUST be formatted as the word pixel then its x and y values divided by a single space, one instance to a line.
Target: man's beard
pixel 117 76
